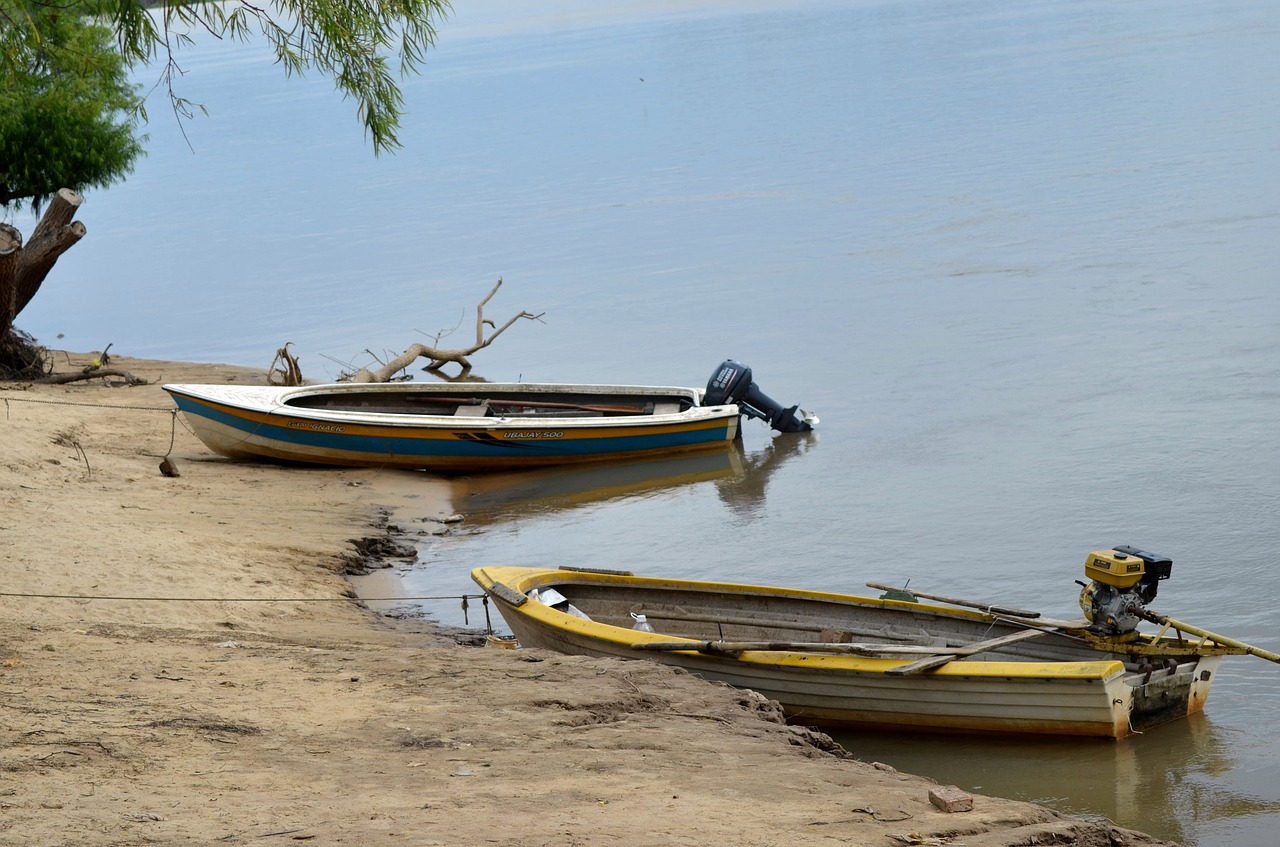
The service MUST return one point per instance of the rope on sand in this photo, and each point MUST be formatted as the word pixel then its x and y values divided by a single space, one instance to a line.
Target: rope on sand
pixel 484 598
pixel 173 413
pixel 8 400
pixel 464 598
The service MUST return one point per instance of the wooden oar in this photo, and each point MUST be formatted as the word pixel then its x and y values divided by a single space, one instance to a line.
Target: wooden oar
pixel 933 656
pixel 532 404
pixel 764 623
pixel 973 604
pixel 1224 640
pixel 945 656
pixel 735 647
pixel 1061 625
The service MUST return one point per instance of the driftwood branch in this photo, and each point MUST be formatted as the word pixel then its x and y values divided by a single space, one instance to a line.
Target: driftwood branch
pixel 437 357
pixel 81 376
pixel 96 368
pixel 285 369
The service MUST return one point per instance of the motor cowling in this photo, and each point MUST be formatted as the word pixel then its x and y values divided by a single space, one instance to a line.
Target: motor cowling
pixel 731 383
pixel 1124 580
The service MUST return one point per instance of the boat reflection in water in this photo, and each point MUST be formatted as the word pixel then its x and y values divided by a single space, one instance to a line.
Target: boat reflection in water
pixel 520 494
pixel 744 493
pixel 1154 783
pixel 522 515
pixel 740 478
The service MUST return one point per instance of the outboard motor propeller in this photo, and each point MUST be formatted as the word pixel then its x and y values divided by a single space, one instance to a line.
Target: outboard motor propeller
pixel 731 383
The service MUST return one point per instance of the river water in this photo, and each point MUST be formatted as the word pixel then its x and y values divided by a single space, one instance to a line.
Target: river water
pixel 1019 257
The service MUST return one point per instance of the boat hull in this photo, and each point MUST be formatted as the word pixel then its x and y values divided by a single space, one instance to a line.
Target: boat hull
pixel 263 423
pixel 1056 687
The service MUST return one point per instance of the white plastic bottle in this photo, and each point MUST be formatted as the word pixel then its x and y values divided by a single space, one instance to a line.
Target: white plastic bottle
pixel 641 623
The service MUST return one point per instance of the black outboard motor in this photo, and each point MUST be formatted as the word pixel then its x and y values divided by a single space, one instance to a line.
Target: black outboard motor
pixel 731 383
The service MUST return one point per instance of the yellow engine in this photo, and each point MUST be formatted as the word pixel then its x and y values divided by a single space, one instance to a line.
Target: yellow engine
pixel 1123 580
pixel 1111 567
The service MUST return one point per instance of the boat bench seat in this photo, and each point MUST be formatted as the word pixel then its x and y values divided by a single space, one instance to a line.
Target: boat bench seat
pixel 472 410
pixel 666 408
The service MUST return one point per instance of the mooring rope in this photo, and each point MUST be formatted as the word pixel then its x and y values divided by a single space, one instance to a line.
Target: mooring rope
pixel 172 412
pixel 464 605
pixel 32 595
pixel 173 435
pixel 7 399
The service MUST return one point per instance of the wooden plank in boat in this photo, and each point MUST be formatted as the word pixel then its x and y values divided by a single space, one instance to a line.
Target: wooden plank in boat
pixel 943 657
pixel 640 408
pixel 656 613
pixel 735 647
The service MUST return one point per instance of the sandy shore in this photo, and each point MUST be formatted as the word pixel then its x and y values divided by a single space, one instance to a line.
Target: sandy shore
pixel 262 705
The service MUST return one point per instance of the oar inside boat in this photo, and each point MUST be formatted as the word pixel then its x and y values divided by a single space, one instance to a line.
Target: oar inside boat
pixel 909 594
pixel 603 408
pixel 849 648
pixel 932 657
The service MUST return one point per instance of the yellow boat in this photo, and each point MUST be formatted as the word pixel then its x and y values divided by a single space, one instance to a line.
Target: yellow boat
pixel 834 660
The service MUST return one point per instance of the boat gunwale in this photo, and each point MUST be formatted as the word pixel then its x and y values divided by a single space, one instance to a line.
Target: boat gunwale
pixel 273 402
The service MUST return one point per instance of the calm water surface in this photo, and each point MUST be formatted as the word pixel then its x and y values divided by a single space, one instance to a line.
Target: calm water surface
pixel 1019 257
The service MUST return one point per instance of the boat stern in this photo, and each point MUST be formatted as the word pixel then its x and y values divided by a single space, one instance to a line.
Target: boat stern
pixel 1164 694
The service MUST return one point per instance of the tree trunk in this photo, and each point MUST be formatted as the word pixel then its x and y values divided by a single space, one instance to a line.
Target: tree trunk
pixel 23 269
pixel 10 251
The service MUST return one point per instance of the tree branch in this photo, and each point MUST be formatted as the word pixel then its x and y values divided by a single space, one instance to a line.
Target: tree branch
pixel 437 357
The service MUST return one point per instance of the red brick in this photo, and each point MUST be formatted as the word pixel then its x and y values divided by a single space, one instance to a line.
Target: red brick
pixel 948 798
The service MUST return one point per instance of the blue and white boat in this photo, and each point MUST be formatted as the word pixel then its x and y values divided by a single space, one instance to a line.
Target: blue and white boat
pixel 474 426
